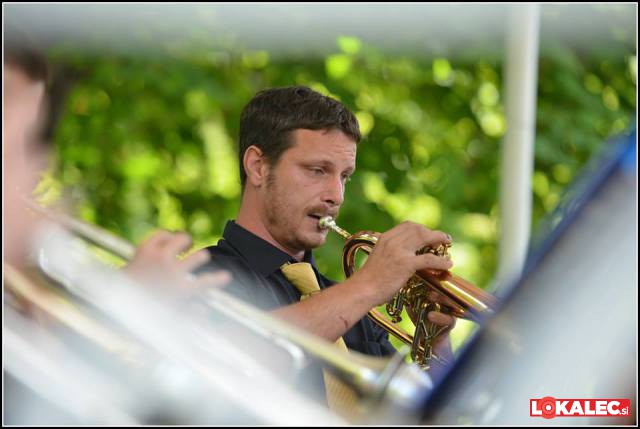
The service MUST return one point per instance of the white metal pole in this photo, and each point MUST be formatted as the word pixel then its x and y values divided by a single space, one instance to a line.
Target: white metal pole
pixel 521 77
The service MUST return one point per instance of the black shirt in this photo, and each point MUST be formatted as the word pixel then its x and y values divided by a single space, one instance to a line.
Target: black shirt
pixel 255 266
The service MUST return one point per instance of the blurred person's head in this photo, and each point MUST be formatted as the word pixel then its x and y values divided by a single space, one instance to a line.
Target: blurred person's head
pixel 24 153
pixel 297 151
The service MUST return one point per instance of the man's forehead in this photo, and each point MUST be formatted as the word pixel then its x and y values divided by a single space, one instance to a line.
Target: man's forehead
pixel 321 145
pixel 323 138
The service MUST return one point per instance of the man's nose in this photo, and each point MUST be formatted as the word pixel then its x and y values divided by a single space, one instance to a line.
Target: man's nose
pixel 334 191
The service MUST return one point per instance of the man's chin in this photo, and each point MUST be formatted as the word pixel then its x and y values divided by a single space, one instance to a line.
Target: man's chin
pixel 312 241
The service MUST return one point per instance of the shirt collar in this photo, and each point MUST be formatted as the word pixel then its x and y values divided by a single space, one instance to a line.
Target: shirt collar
pixel 263 256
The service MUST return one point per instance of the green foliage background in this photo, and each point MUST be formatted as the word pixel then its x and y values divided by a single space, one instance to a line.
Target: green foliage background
pixel 151 142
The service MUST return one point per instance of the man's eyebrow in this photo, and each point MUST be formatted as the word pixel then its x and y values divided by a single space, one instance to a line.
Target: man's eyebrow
pixel 349 170
pixel 320 162
pixel 330 164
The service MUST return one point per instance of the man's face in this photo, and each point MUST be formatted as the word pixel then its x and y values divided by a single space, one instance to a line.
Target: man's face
pixel 23 160
pixel 306 184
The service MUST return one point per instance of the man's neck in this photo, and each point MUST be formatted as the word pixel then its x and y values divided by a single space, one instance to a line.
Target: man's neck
pixel 251 220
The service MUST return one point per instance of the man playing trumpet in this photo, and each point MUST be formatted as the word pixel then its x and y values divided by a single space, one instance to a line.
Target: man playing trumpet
pixel 297 150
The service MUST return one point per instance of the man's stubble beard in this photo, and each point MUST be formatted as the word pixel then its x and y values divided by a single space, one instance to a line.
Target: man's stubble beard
pixel 274 209
pixel 277 214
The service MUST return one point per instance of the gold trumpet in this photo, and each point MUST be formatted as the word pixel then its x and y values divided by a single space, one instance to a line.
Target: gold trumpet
pixel 466 300
pixel 386 386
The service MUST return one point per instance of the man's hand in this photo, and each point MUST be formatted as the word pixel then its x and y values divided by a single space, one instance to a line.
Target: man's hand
pixel 394 260
pixel 442 343
pixel 156 264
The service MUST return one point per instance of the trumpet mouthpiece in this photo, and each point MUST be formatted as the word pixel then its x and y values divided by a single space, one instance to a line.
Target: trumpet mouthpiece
pixel 326 222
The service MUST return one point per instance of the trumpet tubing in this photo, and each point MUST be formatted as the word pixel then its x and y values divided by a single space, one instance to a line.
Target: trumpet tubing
pixel 468 301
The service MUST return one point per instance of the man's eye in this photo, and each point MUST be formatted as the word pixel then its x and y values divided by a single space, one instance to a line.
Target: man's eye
pixel 317 171
pixel 346 179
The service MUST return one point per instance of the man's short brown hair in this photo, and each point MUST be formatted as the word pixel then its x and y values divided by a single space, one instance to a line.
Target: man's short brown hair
pixel 272 114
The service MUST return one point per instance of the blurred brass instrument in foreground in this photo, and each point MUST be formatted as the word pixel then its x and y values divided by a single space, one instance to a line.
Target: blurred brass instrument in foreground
pixel 387 387
pixel 467 301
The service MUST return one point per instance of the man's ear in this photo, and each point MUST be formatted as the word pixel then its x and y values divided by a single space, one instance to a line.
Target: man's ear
pixel 255 165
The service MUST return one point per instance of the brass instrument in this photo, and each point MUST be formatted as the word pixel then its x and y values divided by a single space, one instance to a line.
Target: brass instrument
pixel 467 301
pixel 388 388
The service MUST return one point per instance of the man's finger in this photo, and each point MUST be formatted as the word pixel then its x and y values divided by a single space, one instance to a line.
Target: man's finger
pixel 434 238
pixel 441 319
pixel 432 262
pixel 216 279
pixel 441 299
pixel 194 260
pixel 179 243
pixel 158 238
